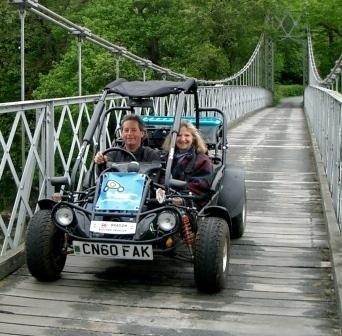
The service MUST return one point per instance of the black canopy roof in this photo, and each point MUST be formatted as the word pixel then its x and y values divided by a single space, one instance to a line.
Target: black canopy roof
pixel 152 88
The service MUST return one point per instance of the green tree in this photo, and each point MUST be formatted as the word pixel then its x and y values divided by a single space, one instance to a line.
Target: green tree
pixel 206 39
pixel 325 21
pixel 44 45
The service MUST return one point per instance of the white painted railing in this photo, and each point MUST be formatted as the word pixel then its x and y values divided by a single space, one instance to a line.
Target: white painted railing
pixel 323 106
pixel 324 110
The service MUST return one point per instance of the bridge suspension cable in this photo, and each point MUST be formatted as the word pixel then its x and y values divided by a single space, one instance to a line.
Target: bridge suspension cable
pixel 84 33
pixel 251 74
pixel 253 66
pixel 333 80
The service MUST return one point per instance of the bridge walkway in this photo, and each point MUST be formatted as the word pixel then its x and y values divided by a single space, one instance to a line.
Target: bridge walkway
pixel 280 277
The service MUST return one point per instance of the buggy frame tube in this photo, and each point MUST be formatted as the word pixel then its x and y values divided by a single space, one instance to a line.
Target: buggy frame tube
pixel 88 136
pixel 174 133
pixel 103 118
pixel 224 129
pixel 197 109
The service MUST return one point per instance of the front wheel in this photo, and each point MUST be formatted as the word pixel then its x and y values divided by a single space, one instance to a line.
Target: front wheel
pixel 45 255
pixel 211 257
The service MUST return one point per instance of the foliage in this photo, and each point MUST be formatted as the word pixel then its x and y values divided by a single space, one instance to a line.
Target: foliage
pixel 206 39
pixel 44 43
pixel 9 46
pixel 283 91
pixel 325 19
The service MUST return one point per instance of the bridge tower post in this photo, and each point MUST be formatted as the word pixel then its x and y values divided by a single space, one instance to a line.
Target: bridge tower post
pixel 286 26
pixel 305 64
pixel 269 63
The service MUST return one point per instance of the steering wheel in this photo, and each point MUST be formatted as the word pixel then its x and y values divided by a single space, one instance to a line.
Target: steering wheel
pixel 116 166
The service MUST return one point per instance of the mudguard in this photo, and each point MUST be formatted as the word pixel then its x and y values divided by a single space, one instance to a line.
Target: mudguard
pixel 46 204
pixel 217 211
pixel 232 193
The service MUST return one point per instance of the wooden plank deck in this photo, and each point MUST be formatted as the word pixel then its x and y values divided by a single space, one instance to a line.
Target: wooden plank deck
pixel 280 277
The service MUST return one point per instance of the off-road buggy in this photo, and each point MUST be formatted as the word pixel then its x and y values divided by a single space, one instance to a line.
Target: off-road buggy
pixel 125 212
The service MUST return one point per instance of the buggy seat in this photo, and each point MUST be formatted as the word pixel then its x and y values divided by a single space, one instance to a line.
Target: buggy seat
pixel 158 127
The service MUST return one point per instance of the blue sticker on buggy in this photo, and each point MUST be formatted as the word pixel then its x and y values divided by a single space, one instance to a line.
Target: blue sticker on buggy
pixel 120 192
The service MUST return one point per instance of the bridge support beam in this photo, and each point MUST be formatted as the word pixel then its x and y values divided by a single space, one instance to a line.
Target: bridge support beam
pixel 269 64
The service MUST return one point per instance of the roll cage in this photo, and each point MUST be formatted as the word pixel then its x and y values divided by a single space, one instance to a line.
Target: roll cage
pixel 140 94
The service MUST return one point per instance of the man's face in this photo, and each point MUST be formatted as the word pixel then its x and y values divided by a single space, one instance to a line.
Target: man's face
pixel 132 135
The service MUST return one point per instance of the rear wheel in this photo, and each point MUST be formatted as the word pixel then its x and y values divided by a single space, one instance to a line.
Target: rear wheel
pixel 239 221
pixel 45 255
pixel 211 258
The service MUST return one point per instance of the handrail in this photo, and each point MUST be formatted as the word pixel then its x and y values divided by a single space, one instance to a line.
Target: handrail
pixel 324 109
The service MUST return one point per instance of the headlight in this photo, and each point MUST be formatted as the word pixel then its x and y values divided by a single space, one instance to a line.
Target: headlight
pixel 145 228
pixel 64 216
pixel 167 220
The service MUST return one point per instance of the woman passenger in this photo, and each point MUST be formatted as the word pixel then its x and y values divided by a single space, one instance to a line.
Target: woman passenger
pixel 191 163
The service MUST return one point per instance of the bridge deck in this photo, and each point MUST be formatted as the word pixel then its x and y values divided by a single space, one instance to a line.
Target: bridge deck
pixel 280 280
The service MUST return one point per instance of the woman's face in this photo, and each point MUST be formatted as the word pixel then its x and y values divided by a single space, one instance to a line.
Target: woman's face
pixel 184 139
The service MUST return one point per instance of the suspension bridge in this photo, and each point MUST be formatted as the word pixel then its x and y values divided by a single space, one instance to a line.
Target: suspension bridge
pixel 285 273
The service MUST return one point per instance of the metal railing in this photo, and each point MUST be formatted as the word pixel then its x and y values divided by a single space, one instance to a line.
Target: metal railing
pixel 323 106
pixel 46 125
pixel 324 110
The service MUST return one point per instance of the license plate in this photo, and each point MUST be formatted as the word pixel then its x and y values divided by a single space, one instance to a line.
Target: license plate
pixel 114 251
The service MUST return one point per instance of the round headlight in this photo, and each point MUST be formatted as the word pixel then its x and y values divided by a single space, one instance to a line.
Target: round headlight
pixel 167 220
pixel 64 216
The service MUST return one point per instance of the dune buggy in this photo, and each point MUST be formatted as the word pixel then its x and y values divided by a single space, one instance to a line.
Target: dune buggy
pixel 124 212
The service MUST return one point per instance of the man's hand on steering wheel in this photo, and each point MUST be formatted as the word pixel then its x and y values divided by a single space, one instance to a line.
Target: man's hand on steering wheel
pixel 102 159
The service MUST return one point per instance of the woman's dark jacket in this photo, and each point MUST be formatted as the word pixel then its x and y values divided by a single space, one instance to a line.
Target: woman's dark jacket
pixel 194 168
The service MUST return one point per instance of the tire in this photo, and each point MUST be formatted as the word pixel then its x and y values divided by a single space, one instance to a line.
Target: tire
pixel 232 196
pixel 45 257
pixel 211 257
pixel 239 221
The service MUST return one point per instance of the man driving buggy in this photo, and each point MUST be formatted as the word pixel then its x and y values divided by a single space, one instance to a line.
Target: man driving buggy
pixel 133 133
